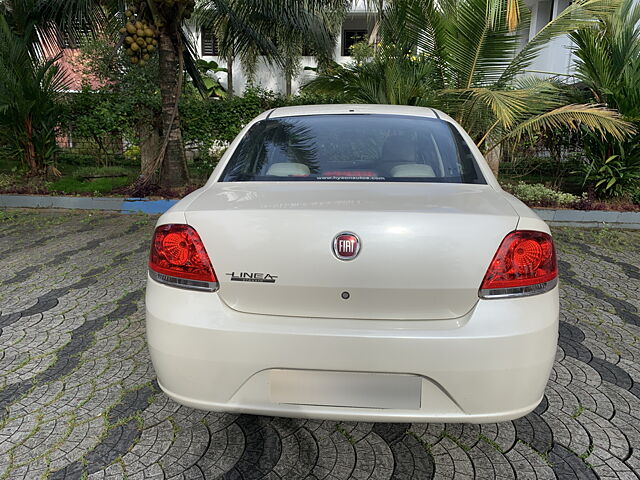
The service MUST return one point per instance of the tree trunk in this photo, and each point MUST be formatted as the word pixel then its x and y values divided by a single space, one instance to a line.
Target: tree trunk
pixel 230 76
pixel 29 148
pixel 150 141
pixel 173 171
pixel 289 69
pixel 493 159
pixel 287 85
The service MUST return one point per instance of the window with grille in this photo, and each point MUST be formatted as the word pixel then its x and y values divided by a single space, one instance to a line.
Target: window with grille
pixel 209 44
pixel 74 37
pixel 351 37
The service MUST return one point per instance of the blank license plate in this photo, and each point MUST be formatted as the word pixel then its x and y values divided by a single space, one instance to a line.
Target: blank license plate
pixel 346 389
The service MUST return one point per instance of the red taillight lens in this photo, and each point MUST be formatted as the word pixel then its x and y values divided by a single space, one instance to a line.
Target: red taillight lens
pixel 525 264
pixel 178 258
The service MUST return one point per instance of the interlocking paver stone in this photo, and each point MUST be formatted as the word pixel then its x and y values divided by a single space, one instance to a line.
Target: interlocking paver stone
pixel 78 396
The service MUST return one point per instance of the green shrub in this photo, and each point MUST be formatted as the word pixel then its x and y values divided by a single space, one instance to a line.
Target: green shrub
pixel 539 166
pixel 6 180
pixel 613 177
pixel 204 163
pixel 206 121
pixel 100 172
pixel 132 154
pixel 71 157
pixel 541 196
pixel 202 167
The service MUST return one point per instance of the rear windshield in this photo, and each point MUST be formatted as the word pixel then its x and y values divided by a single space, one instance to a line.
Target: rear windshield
pixel 388 148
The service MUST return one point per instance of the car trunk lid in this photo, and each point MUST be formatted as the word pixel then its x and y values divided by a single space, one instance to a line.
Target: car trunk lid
pixel 424 247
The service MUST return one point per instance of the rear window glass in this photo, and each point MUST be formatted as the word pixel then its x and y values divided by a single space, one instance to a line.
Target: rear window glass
pixel 388 148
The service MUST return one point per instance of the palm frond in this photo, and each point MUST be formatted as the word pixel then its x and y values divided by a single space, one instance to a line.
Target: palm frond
pixel 388 80
pixel 580 14
pixel 507 106
pixel 235 30
pixel 594 118
pixel 246 28
pixel 190 56
pixel 30 93
pixel 478 51
pixel 495 8
pixel 411 25
pixel 419 26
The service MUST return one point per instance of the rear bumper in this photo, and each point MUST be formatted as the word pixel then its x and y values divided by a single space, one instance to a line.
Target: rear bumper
pixel 490 365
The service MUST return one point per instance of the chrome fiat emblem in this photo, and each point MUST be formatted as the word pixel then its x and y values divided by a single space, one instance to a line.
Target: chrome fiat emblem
pixel 346 246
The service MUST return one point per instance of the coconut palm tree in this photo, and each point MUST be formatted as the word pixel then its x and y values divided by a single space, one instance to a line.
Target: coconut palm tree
pixel 247 24
pixel 477 70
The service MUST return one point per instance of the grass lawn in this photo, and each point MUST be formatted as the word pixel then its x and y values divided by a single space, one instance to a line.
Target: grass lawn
pixel 79 179
pixel 96 186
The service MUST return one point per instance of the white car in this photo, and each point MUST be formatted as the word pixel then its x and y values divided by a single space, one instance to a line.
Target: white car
pixel 353 262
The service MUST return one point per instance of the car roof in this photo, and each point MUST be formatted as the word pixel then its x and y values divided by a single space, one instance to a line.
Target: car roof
pixel 339 109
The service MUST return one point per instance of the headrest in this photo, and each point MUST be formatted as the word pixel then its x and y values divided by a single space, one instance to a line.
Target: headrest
pixel 412 170
pixel 286 169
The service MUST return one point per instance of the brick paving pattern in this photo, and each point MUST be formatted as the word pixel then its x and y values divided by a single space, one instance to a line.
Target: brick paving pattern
pixel 78 396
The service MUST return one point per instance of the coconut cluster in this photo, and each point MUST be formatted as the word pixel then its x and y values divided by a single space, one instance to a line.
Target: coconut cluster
pixel 141 39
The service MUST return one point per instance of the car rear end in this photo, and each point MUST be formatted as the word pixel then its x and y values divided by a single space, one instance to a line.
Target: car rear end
pixel 442 305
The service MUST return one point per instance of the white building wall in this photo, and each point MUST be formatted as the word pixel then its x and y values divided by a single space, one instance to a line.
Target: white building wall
pixel 556 57
pixel 268 77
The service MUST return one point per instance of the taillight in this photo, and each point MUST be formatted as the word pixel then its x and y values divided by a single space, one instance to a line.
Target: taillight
pixel 525 264
pixel 178 258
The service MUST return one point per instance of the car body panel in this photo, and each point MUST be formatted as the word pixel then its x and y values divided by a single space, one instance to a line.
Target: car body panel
pixel 359 109
pixel 490 365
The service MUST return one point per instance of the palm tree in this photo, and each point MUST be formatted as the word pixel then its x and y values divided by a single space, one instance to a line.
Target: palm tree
pixel 319 41
pixel 274 30
pixel 386 78
pixel 608 58
pixel 30 94
pixel 43 24
pixel 608 65
pixel 474 70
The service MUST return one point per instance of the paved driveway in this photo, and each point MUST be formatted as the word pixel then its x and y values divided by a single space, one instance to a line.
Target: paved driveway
pixel 78 395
